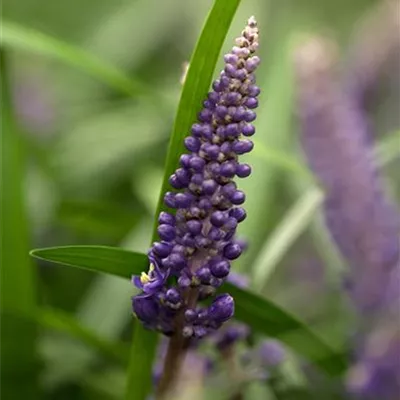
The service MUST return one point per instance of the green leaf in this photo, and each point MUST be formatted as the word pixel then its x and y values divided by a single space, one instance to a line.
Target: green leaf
pixel 261 314
pixel 97 217
pixel 292 225
pixel 278 158
pixel 266 317
pixel 19 37
pixel 388 149
pixel 110 260
pixel 273 127
pixel 90 156
pixel 65 323
pixel 197 84
pixel 126 20
pixel 69 360
pixel 18 278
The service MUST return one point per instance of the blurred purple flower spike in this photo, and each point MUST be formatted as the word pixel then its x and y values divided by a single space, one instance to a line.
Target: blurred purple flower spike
pixel 376 373
pixel 361 220
pixel 271 353
pixel 363 223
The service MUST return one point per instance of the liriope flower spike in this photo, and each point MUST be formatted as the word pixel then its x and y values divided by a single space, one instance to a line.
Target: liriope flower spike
pixel 197 243
pixel 362 221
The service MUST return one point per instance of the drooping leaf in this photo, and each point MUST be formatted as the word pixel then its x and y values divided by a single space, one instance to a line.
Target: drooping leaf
pixel 266 317
pixel 105 147
pixel 126 21
pixel 15 36
pixel 260 313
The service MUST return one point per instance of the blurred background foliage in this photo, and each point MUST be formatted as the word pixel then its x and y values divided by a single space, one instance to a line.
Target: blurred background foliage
pixel 92 166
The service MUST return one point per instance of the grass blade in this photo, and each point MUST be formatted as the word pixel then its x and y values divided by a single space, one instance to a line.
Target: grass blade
pixel 292 225
pixel 18 37
pixel 278 158
pixel 387 150
pixel 261 314
pixel 18 286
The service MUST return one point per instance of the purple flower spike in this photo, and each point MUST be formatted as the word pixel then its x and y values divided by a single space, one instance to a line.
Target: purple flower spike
pixel 197 243
pixel 362 221
pixel 376 375
pixel 230 335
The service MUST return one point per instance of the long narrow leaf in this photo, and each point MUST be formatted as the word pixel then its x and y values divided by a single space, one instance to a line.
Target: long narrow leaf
pixel 388 149
pixel 94 258
pixel 279 159
pixel 293 224
pixel 261 314
pixel 266 317
pixel 18 335
pixel 15 36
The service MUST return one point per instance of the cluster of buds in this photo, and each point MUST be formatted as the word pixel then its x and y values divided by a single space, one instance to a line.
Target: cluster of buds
pixel 197 242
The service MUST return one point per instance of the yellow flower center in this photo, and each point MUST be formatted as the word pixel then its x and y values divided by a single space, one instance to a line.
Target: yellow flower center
pixel 145 278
